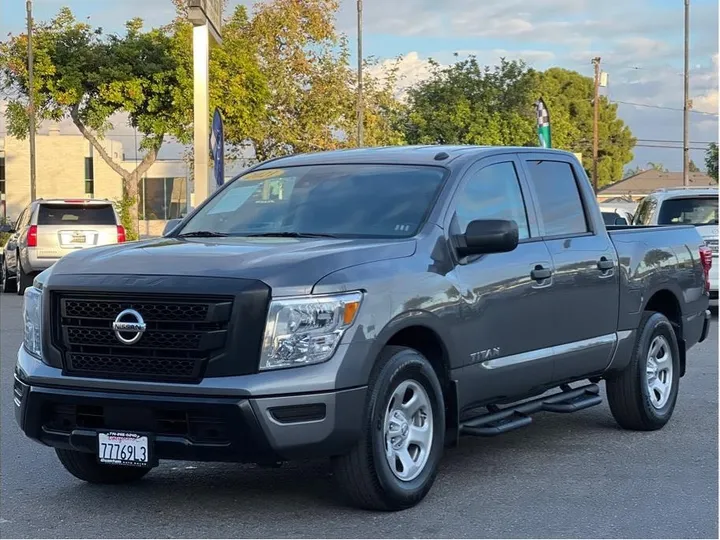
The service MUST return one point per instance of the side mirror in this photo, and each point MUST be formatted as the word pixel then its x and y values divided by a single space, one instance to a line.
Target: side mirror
pixel 170 225
pixel 620 221
pixel 488 236
pixel 7 228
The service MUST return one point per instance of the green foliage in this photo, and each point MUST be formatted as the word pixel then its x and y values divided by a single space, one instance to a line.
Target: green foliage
pixel 467 104
pixel 711 161
pixel 124 207
pixel 4 236
pixel 569 97
pixel 692 167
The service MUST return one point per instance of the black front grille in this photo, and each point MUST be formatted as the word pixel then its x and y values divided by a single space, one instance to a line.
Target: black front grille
pixel 181 336
pixel 199 426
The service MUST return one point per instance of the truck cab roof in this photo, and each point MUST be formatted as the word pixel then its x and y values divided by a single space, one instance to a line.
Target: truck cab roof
pixel 409 155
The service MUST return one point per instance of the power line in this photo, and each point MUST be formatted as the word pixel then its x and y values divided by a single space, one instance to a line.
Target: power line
pixel 669 141
pixel 661 107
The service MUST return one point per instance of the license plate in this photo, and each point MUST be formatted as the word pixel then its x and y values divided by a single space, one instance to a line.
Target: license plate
pixel 115 448
pixel 79 239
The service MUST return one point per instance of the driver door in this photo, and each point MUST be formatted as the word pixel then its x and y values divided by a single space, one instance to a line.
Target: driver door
pixel 504 328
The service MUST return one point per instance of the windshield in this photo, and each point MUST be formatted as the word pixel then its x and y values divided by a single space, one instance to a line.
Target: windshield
pixel 377 201
pixel 689 211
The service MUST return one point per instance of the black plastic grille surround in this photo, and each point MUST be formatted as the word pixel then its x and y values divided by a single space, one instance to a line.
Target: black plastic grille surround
pixel 182 335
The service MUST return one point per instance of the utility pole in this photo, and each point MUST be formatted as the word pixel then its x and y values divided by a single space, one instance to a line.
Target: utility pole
pixel 31 104
pixel 360 115
pixel 686 99
pixel 596 118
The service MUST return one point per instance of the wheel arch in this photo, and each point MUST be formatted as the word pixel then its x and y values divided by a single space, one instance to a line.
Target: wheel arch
pixel 423 332
pixel 666 301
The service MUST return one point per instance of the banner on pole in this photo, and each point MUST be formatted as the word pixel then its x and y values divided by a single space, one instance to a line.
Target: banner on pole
pixel 217 148
pixel 543 124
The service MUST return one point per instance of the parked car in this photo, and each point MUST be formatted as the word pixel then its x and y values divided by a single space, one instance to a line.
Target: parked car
pixel 369 306
pixel 686 206
pixel 49 229
pixel 613 215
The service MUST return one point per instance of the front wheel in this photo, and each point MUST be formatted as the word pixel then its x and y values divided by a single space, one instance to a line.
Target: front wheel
pixel 85 467
pixel 395 462
pixel 642 397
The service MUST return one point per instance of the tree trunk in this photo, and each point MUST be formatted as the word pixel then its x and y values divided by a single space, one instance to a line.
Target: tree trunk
pixel 131 200
pixel 130 179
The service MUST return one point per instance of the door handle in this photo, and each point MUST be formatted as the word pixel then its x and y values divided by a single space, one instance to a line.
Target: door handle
pixel 605 264
pixel 540 273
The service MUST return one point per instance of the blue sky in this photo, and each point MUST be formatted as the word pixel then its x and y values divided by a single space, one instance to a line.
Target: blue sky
pixel 640 41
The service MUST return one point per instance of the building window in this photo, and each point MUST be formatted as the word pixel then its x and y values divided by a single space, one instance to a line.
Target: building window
pixel 89 177
pixel 2 176
pixel 162 198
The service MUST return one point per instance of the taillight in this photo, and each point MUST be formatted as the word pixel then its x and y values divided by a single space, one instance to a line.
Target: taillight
pixel 121 234
pixel 32 236
pixel 706 257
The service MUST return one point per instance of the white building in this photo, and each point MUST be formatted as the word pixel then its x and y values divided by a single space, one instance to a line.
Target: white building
pixel 68 167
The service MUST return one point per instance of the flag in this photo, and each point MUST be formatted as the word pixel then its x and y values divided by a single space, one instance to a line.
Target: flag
pixel 543 124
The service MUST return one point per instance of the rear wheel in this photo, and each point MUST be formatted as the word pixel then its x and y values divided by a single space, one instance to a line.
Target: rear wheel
pixel 22 280
pixel 642 397
pixel 394 464
pixel 85 467
pixel 8 283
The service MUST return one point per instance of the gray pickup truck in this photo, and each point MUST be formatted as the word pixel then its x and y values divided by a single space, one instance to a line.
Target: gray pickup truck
pixel 370 306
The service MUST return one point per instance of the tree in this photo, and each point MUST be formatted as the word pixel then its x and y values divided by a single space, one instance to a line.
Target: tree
pixel 382 111
pixel 659 167
pixel 467 104
pixel 305 62
pixel 692 167
pixel 88 77
pixel 569 96
pixel 711 161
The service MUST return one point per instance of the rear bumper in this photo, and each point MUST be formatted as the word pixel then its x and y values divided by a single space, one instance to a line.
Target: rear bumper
pixel 33 263
pixel 196 428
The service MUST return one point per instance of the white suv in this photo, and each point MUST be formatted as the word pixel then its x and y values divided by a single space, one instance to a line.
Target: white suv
pixel 48 229
pixel 686 206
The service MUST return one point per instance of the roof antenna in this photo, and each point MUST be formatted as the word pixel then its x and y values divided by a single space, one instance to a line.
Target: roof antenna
pixel 441 155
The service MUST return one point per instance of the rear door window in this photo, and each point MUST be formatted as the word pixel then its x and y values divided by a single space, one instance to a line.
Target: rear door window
pixel 689 211
pixel 558 197
pixel 72 214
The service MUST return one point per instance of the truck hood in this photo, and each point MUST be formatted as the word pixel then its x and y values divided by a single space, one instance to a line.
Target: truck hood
pixel 288 265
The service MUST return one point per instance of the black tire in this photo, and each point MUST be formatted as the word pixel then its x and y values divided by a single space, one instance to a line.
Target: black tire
pixel 22 280
pixel 364 474
pixel 7 284
pixel 85 467
pixel 628 393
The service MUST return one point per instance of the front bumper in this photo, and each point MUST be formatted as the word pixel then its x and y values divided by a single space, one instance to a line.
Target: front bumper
pixel 195 428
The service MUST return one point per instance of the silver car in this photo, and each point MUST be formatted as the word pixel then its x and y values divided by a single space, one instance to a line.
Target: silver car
pixel 48 229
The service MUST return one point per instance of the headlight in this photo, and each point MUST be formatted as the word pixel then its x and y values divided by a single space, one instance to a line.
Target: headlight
pixel 32 318
pixel 306 330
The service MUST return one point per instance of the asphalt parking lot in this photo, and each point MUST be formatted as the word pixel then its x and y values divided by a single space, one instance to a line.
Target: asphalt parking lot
pixel 564 476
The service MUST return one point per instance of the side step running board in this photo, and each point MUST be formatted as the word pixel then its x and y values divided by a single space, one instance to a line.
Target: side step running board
pixel 497 421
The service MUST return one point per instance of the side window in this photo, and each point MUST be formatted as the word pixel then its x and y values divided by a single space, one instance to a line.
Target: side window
pixel 493 192
pixel 21 220
pixel 558 197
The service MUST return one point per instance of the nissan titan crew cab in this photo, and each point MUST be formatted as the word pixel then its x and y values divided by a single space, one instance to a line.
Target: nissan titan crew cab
pixel 370 306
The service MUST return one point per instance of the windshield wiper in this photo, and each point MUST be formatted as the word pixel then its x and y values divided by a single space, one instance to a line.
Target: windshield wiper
pixel 202 234
pixel 288 234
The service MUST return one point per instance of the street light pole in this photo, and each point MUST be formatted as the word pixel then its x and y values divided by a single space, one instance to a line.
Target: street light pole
pixel 360 112
pixel 31 101
pixel 686 99
pixel 596 121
